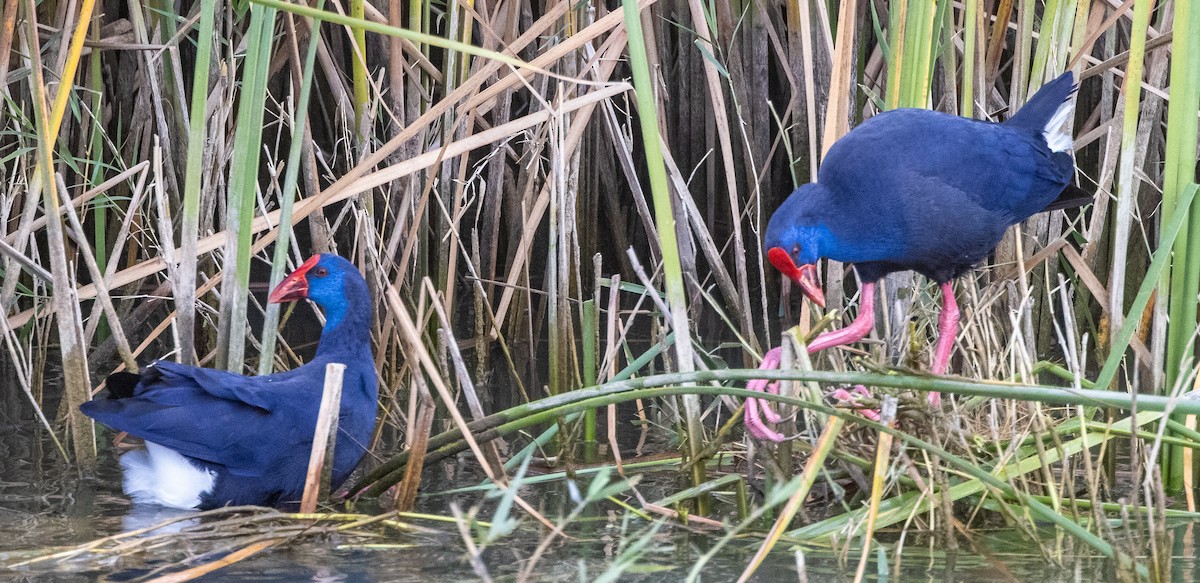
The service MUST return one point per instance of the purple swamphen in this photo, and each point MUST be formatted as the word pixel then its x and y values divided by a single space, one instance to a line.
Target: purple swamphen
pixel 914 189
pixel 216 438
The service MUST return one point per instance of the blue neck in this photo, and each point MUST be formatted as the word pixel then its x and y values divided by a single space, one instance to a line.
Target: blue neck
pixel 839 238
pixel 347 331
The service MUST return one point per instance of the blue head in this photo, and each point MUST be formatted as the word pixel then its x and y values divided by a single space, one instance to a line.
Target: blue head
pixel 332 283
pixel 792 235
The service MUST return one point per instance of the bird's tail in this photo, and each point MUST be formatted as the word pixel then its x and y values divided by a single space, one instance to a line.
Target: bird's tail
pixel 1072 197
pixel 122 385
pixel 1048 110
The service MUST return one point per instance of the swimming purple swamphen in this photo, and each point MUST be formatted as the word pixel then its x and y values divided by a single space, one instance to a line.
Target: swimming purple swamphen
pixel 914 189
pixel 216 438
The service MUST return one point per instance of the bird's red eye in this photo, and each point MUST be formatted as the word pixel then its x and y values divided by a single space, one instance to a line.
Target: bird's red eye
pixel 320 272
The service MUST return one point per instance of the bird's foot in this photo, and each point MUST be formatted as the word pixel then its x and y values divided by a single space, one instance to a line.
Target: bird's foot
pixel 758 410
pixel 853 398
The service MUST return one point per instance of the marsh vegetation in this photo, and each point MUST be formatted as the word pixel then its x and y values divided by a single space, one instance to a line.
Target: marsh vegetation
pixel 558 208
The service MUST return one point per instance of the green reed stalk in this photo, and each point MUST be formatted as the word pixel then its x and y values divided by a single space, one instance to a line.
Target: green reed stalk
pixel 358 66
pixel 1021 60
pixel 1047 39
pixel 243 185
pixel 895 53
pixel 912 45
pixel 1126 174
pixel 185 286
pixel 1157 270
pixel 591 334
pixel 418 21
pixel 555 336
pixel 1083 11
pixel 468 29
pixel 1178 180
pixel 970 57
pixel 95 160
pixel 665 221
pixel 165 19
pixel 266 361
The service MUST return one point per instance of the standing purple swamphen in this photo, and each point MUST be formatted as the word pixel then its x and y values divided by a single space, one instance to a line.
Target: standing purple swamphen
pixel 914 189
pixel 216 438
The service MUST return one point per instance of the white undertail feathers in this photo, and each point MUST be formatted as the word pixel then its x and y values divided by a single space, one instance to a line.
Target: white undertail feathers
pixel 161 475
pixel 1059 140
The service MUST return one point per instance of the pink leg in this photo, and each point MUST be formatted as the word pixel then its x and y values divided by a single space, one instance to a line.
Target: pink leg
pixel 857 330
pixel 758 409
pixel 947 330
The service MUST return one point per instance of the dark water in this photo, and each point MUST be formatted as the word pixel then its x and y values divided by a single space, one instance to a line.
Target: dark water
pixel 44 504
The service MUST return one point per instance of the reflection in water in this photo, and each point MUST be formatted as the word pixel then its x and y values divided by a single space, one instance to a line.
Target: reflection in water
pixel 327 575
pixel 142 516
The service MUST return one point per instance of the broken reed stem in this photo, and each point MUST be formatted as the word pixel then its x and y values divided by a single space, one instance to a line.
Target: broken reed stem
pixel 320 462
pixel 464 383
pixel 418 444
pixel 102 294
pixel 883 450
pixel 72 346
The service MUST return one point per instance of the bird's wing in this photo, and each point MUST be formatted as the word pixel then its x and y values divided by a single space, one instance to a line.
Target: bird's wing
pixel 267 392
pixel 925 233
pixel 260 392
pixel 218 417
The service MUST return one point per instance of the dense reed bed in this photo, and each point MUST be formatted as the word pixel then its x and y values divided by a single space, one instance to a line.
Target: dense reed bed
pixel 553 202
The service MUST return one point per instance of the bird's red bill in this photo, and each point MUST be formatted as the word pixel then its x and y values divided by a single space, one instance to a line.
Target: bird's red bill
pixel 805 276
pixel 294 286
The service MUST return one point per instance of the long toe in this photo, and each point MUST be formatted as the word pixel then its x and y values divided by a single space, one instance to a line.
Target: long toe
pixel 765 406
pixel 755 425
pixel 758 409
pixel 853 398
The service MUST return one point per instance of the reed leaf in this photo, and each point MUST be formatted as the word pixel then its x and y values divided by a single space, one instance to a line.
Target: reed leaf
pixel 287 196
pixel 243 186
pixel 1179 176
pixel 664 218
pixel 185 284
